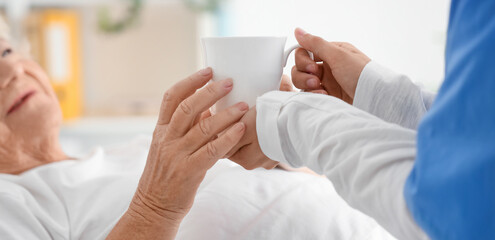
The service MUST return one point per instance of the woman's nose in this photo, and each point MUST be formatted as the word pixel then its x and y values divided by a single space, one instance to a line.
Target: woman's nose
pixel 9 71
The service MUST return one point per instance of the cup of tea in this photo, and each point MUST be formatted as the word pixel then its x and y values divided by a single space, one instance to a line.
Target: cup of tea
pixel 255 65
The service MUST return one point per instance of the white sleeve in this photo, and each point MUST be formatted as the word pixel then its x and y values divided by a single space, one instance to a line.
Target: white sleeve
pixel 390 96
pixel 17 220
pixel 366 158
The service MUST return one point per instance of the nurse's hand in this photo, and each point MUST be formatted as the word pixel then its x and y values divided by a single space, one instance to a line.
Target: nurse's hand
pixel 247 152
pixel 184 146
pixel 339 70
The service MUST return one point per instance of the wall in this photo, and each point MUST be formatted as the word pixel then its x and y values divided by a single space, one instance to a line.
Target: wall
pixel 127 73
pixel 407 36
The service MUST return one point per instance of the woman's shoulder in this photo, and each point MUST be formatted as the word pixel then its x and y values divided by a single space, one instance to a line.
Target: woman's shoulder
pixel 18 188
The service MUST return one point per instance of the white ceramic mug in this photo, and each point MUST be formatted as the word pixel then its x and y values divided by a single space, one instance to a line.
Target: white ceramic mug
pixel 255 65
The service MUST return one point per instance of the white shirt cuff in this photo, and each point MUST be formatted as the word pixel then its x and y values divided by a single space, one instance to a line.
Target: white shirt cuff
pixel 372 75
pixel 390 96
pixel 268 108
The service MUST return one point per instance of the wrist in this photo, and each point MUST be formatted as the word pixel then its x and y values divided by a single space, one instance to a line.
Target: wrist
pixel 141 222
pixel 142 207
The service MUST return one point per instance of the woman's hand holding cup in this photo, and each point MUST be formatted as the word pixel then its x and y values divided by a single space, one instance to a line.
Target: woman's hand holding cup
pixel 185 145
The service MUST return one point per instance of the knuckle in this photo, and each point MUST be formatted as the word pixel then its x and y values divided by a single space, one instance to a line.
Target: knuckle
pixel 185 106
pixel 170 131
pixel 205 127
pixel 157 133
pixel 211 150
pixel 344 45
pixel 348 44
pixel 339 46
pixel 210 89
pixel 347 47
pixel 168 97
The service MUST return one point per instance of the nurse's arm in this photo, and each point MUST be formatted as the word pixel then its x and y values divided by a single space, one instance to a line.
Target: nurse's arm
pixel 391 96
pixel 366 158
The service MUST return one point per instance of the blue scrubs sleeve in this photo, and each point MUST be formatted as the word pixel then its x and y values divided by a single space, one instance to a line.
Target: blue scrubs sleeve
pixel 451 190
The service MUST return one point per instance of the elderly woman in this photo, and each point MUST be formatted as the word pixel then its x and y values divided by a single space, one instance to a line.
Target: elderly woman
pixel 144 190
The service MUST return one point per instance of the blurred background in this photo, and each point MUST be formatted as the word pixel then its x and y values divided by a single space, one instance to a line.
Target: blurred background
pixel 110 61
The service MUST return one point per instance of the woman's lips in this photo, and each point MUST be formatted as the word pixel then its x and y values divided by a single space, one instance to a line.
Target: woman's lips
pixel 20 101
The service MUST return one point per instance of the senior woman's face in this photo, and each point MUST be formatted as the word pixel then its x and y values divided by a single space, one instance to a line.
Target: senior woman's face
pixel 28 105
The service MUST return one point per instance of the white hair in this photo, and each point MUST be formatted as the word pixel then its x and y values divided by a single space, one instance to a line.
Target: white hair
pixel 4 29
pixel 22 45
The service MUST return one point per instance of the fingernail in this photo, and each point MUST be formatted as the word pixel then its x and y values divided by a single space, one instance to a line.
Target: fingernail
pixel 239 126
pixel 300 32
pixel 205 72
pixel 228 83
pixel 312 83
pixel 242 106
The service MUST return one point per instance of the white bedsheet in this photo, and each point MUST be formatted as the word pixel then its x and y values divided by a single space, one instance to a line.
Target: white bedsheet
pixel 233 203
pixel 83 199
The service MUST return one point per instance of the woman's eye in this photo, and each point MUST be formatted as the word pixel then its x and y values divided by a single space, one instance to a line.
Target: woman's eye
pixel 6 52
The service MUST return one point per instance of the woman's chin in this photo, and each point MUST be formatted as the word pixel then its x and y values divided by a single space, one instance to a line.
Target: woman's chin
pixel 35 119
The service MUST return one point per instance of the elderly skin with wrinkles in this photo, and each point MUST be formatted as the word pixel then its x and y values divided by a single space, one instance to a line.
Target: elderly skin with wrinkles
pixel 184 146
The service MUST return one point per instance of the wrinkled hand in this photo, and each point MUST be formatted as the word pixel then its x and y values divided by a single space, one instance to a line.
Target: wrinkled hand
pixel 339 70
pixel 247 152
pixel 185 145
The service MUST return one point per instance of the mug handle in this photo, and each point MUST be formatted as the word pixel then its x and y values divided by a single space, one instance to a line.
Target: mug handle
pixel 288 51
